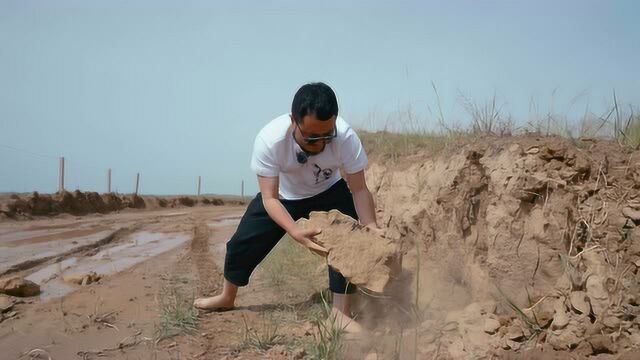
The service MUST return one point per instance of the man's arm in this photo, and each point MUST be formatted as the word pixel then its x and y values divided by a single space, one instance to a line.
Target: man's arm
pixel 278 213
pixel 362 199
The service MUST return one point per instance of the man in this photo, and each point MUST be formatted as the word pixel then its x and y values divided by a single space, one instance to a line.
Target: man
pixel 298 158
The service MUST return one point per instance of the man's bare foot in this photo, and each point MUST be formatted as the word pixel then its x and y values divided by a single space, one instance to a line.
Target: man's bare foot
pixel 218 302
pixel 341 321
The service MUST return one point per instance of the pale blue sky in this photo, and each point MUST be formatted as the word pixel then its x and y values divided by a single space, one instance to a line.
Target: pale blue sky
pixel 177 89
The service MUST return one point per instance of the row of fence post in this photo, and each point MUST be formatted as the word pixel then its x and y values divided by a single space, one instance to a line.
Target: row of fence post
pixel 61 181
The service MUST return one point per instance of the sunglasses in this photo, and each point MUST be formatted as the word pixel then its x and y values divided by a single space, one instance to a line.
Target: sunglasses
pixel 313 139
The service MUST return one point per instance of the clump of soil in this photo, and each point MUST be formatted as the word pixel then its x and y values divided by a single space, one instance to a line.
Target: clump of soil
pixel 82 278
pixel 20 287
pixel 134 202
pixel 346 240
pixel 80 203
pixel 163 203
pixel 218 202
pixel 186 201
pixel 544 228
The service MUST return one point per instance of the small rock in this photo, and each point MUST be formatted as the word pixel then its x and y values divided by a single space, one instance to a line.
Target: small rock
pixel 631 213
pixel 6 303
pixel 491 326
pixel 567 338
pixel 611 322
pixel 504 344
pixel 515 333
pixel 583 350
pixel 634 338
pixel 560 320
pixel 598 296
pixel 594 329
pixel 10 314
pixel 82 278
pixel 601 344
pixel 513 345
pixel 579 302
pixel 533 150
pixel 17 286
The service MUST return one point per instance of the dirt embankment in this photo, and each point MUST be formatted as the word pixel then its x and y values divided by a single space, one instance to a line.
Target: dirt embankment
pixel 542 234
pixel 83 203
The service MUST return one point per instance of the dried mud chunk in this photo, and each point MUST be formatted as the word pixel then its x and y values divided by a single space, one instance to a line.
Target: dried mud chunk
pixel 362 256
pixel 553 152
pixel 601 344
pixel 597 294
pixel 6 303
pixel 515 333
pixel 82 278
pixel 17 286
pixel 560 320
pixel 633 214
pixel 567 338
pixel 611 322
pixel 579 302
pixel 491 326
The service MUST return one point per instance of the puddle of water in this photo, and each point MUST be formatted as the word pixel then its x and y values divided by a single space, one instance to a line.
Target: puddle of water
pixel 174 214
pixel 10 256
pixel 55 236
pixel 224 222
pixel 138 247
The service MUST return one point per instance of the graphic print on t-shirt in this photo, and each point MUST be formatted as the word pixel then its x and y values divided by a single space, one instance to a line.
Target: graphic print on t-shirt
pixel 321 174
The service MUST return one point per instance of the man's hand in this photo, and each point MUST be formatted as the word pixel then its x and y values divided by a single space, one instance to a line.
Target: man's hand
pixel 306 237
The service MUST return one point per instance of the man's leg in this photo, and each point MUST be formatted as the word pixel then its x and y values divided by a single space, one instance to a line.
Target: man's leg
pixel 343 294
pixel 339 197
pixel 256 235
pixel 223 301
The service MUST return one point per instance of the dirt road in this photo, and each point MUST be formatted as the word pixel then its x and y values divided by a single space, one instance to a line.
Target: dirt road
pixel 139 255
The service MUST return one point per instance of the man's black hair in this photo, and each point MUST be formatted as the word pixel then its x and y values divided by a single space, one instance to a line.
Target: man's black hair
pixel 314 99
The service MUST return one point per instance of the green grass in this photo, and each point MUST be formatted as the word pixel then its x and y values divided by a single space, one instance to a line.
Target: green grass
pixel 630 135
pixel 392 146
pixel 177 314
pixel 291 267
pixel 262 336
pixel 328 341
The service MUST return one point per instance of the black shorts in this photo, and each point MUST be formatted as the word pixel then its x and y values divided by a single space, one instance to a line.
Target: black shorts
pixel 257 234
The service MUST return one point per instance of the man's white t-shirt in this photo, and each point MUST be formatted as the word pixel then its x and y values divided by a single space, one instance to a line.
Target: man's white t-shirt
pixel 274 154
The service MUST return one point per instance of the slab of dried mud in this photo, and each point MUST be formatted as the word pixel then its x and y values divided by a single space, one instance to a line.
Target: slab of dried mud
pixel 362 256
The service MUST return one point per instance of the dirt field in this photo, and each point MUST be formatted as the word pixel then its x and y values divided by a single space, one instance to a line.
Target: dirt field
pixel 138 254
pixel 523 247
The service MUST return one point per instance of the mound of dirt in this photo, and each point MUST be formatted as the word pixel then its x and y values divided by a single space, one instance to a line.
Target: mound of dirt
pixel 215 201
pixel 346 240
pixel 82 203
pixel 186 201
pixel 134 202
pixel 545 228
